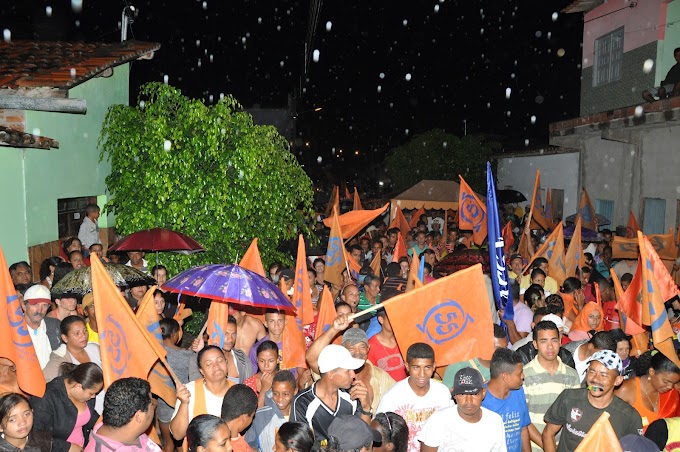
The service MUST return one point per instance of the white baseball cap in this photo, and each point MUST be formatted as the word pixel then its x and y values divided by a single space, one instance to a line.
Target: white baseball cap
pixel 337 357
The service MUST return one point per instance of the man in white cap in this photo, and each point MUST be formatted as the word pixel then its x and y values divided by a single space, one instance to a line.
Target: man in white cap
pixel 576 410
pixel 336 393
pixel 44 331
pixel 545 376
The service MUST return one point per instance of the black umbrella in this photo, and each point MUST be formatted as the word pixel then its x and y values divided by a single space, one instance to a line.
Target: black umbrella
pixel 510 196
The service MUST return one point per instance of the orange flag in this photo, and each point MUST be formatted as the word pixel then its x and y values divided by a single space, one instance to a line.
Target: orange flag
pixel 357 201
pixel 355 220
pixel 400 222
pixel 601 437
pixel 553 250
pixel 347 195
pixel 471 213
pixel 653 311
pixel 451 314
pixel 16 344
pixel 415 217
pixel 126 347
pixel 575 258
pixel 666 283
pixel 540 217
pixel 664 245
pixel 632 228
pixel 302 293
pixel 326 309
pixel 414 281
pixel 252 260
pixel 508 237
pixel 587 212
pixel 159 378
pixel 376 264
pixel 627 324
pixel 399 249
pixel 336 255
pixel 293 347
pixel 523 248
pixel 334 200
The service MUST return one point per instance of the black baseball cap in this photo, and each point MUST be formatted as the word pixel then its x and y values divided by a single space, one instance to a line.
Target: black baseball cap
pixel 352 432
pixel 467 381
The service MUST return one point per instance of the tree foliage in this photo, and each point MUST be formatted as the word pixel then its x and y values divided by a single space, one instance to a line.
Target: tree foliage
pixel 439 155
pixel 206 171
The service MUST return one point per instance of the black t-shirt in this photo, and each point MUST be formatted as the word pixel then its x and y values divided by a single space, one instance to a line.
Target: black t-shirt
pixel 576 415
pixel 310 409
pixel 673 75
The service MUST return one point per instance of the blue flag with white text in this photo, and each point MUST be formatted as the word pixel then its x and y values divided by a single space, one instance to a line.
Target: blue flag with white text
pixel 499 271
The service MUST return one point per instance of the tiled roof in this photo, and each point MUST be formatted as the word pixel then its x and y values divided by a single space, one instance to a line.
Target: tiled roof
pixel 63 65
pixel 18 139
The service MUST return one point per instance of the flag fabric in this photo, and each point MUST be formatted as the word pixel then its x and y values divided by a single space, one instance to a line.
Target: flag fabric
pixel 523 247
pixel 16 344
pixel 160 379
pixel 499 271
pixel 549 209
pixel 471 213
pixel 252 260
pixel 293 347
pixel 627 305
pixel 355 220
pixel 450 314
pixel 218 317
pixel 574 259
pixel 553 250
pixel 336 255
pixel 587 212
pixel 664 245
pixel 334 200
pixel 326 310
pixel 347 195
pixel 357 201
pixel 127 350
pixel 414 280
pixel 415 217
pixel 539 218
pixel 399 249
pixel 632 228
pixel 376 264
pixel 508 236
pixel 399 221
pixel 665 281
pixel 302 293
pixel 653 311
pixel 601 437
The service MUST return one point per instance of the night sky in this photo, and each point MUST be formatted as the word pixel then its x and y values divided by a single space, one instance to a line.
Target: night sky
pixel 386 70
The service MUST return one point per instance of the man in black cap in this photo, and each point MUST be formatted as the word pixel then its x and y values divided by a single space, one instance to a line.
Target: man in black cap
pixel 466 426
pixel 350 433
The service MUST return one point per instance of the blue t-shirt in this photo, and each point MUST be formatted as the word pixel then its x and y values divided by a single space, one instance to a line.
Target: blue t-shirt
pixel 515 414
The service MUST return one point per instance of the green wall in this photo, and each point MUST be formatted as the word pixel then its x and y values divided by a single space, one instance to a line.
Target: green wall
pixel 664 57
pixel 74 169
pixel 13 217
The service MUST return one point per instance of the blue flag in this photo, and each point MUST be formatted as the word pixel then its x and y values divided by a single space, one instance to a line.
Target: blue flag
pixel 421 270
pixel 499 272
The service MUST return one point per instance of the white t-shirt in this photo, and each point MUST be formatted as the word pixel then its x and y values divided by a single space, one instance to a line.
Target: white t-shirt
pixel 213 403
pixel 450 433
pixel 415 410
pixel 41 344
pixel 523 317
pixel 581 366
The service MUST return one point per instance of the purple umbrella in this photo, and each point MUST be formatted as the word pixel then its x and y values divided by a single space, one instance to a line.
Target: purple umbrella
pixel 230 284
pixel 587 235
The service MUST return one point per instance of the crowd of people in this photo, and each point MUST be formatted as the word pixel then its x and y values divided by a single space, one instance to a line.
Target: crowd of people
pixel 560 364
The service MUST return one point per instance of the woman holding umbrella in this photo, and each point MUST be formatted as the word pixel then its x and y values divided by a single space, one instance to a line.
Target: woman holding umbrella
pixel 202 396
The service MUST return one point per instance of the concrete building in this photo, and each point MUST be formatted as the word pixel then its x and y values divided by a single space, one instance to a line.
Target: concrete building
pixel 53 99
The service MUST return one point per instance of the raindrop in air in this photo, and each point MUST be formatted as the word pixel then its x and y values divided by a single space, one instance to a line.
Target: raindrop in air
pixel 211 58
pixel 319 159
pixel 48 11
pixel 436 8
pixel 408 77
pixel 554 16
pixel 406 132
pixel 329 25
pixel 560 52
pixel 539 99
pixel 639 111
pixel 198 43
pixel 7 35
pixel 142 104
pixel 533 119
pixel 167 145
pixel 379 88
pixel 508 91
pixel 77 5
pixel 281 63
pixel 405 22
pixel 538 34
pixel 526 142
pixel 73 72
pixel 165 79
pixel 647 66
pixel 382 75
pixel 315 55
pixel 259 20
pixel 205 5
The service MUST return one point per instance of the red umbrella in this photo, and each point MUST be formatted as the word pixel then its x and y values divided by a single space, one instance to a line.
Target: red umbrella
pixel 158 239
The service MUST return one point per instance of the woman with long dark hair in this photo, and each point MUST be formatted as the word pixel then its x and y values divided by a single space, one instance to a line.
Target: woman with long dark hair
pixel 16 426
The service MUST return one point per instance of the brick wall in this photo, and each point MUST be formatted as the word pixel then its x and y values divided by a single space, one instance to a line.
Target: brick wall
pixel 14 119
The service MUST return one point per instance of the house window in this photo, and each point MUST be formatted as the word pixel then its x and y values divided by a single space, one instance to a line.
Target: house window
pixel 608 62
pixel 653 215
pixel 605 208
pixel 70 213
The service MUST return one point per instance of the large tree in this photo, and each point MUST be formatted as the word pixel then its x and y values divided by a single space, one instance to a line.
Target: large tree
pixel 440 156
pixel 207 171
